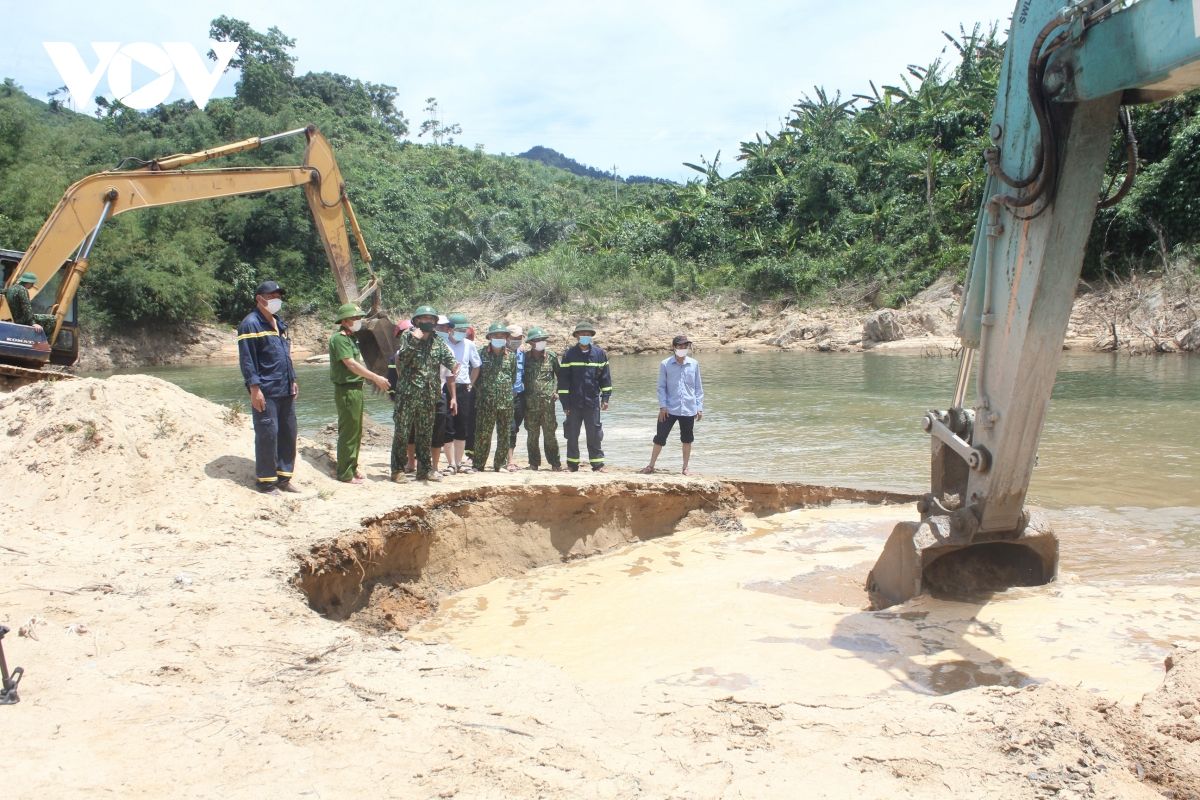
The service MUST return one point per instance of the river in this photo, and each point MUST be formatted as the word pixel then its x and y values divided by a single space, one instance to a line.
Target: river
pixel 1122 431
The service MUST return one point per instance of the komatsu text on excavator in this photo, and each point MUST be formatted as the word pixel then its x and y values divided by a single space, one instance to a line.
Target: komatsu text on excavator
pixel 1068 74
pixel 58 256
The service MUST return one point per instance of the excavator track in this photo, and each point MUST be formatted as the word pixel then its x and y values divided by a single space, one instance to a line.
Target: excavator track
pixel 13 377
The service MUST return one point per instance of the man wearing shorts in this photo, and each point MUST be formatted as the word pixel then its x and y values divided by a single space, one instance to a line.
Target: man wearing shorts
pixel 680 399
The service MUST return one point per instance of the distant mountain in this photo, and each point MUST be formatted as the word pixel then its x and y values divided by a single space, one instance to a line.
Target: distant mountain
pixel 553 158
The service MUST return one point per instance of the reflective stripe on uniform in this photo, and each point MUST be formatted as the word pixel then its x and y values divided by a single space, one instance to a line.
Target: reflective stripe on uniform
pixel 267 480
pixel 585 364
pixel 572 460
pixel 606 388
pixel 596 460
pixel 257 335
pixel 284 474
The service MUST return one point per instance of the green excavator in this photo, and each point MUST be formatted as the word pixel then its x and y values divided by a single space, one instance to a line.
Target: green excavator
pixel 1068 76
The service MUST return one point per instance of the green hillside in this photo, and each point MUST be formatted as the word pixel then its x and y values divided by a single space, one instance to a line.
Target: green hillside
pixel 863 198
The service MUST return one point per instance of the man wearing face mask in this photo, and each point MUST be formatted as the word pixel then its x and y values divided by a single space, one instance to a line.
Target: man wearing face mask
pixel 463 422
pixel 265 356
pixel 494 404
pixel 347 372
pixel 541 389
pixel 516 337
pixel 680 399
pixel 584 388
pixel 418 360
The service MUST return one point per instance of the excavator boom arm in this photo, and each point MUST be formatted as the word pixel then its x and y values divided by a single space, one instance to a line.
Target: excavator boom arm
pixel 70 230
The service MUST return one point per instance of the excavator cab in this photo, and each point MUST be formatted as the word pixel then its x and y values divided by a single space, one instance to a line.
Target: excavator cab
pixel 21 345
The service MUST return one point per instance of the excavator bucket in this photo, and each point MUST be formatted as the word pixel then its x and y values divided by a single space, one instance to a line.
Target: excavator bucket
pixel 377 341
pixel 925 558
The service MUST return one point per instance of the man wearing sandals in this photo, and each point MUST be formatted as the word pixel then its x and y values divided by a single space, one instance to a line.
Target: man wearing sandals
pixel 418 384
pixel 541 393
pixel 463 420
pixel 680 399
pixel 494 398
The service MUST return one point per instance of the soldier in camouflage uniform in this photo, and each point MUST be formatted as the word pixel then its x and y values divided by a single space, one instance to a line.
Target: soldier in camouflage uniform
pixel 541 397
pixel 494 398
pixel 418 387
pixel 20 307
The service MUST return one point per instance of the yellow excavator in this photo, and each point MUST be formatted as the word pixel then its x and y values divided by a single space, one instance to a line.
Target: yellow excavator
pixel 57 259
pixel 1069 72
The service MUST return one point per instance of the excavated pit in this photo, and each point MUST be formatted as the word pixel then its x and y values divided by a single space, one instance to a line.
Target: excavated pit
pixel 390 574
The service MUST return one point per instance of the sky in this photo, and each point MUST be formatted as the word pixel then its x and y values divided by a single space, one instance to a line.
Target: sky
pixel 640 85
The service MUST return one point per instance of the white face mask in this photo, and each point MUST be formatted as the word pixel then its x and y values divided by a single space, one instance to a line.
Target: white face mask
pixel 356 326
pixel 274 304
pixel 681 353
pixel 539 346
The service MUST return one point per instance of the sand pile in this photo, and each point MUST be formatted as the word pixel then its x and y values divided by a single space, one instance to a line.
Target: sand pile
pixel 87 446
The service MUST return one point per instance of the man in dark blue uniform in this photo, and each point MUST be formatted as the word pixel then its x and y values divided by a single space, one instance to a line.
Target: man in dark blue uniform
pixel 265 355
pixel 584 387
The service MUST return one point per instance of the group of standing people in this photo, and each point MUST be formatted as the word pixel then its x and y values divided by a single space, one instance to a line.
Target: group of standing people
pixel 450 395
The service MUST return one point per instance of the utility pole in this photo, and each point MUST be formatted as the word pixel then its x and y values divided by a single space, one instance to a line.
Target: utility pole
pixel 615 181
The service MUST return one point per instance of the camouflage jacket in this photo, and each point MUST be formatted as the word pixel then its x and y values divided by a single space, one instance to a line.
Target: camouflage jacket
pixel 19 304
pixel 417 362
pixel 497 374
pixel 541 376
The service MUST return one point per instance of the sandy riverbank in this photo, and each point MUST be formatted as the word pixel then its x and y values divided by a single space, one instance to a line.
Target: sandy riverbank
pixel 567 635
pixel 1140 319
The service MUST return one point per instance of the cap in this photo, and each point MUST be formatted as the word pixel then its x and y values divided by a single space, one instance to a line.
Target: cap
pixel 269 287
pixel 585 326
pixel 443 320
pixel 681 341
pixel 536 334
pixel 460 321
pixel 401 327
pixel 516 331
pixel 346 311
pixel 28 277
pixel 497 327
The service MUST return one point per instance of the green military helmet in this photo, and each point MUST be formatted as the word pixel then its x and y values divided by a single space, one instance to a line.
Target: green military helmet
pixel 585 326
pixel 424 311
pixel 460 321
pixel 346 311
pixel 28 277
pixel 497 327
pixel 535 334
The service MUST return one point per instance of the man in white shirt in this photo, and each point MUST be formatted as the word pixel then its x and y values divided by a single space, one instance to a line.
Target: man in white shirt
pixel 468 371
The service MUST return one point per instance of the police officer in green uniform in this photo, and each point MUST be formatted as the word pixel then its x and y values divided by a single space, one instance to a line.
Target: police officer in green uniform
pixel 541 397
pixel 21 307
pixel 347 371
pixel 494 398
pixel 417 389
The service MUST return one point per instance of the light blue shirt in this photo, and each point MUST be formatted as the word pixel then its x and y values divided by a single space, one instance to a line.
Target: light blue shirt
pixel 519 383
pixel 680 391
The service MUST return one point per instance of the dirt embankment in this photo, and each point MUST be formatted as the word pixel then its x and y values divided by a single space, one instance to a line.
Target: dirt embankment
pixel 155 604
pixel 1139 316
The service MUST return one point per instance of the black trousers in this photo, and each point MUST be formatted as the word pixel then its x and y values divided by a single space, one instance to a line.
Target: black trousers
pixel 274 441
pixel 588 418
pixel 685 429
pixel 518 418
pixel 462 424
